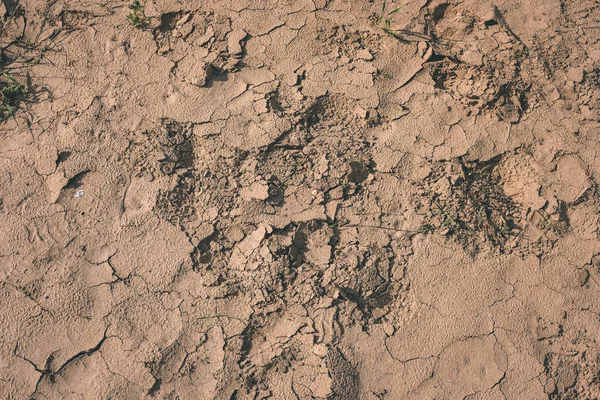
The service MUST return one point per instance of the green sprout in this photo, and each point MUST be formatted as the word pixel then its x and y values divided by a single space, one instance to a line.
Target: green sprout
pixel 11 94
pixel 385 22
pixel 137 16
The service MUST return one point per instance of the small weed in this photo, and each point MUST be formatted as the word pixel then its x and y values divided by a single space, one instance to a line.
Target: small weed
pixel 136 6
pixel 338 223
pixel 12 93
pixel 384 23
pixel 473 208
pixel 296 167
pixel 517 55
pixel 137 16
pixel 427 228
pixel 448 221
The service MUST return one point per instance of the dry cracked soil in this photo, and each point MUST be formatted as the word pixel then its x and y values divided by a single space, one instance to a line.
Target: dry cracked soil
pixel 299 199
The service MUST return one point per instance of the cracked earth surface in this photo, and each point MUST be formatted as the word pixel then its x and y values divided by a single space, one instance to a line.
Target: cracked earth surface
pixel 275 199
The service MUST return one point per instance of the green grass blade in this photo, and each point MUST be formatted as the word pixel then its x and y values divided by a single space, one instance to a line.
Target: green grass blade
pixel 395 10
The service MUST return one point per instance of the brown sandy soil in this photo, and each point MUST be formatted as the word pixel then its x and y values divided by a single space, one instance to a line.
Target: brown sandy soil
pixel 295 199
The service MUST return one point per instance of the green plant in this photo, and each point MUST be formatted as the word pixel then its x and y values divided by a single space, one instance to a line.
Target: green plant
pixel 473 208
pixel 137 16
pixel 136 6
pixel 517 55
pixel 12 93
pixel 448 220
pixel 427 228
pixel 385 22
